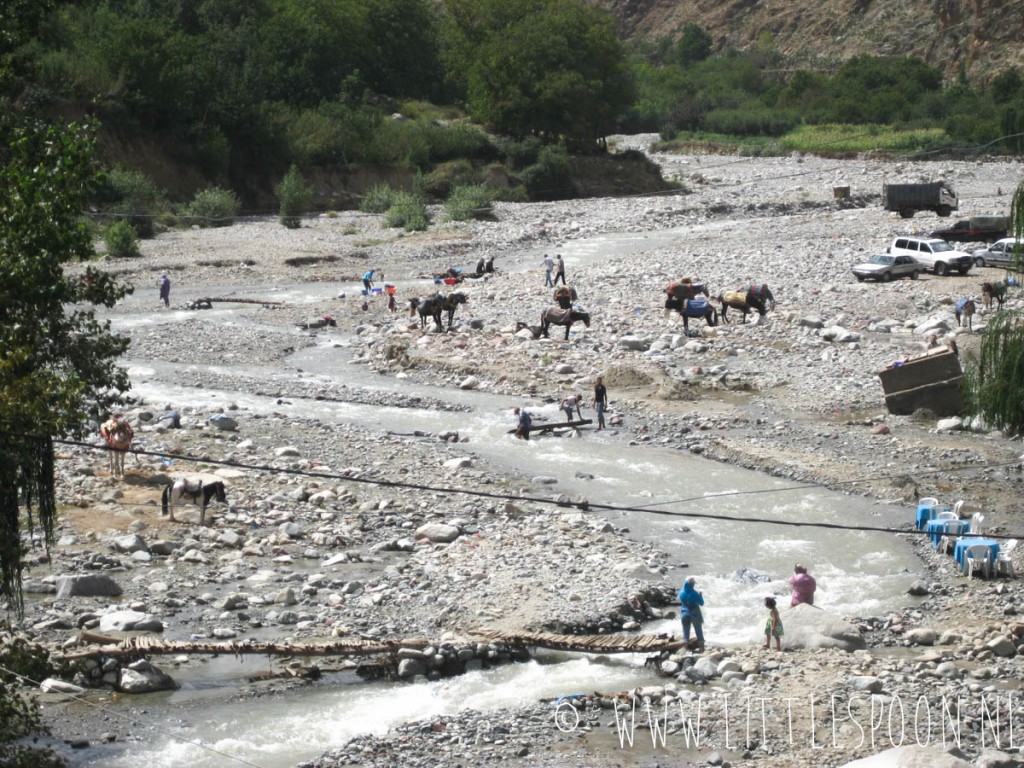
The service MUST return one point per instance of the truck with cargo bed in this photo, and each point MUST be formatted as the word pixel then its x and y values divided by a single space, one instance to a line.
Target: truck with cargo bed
pixel 908 199
pixel 977 229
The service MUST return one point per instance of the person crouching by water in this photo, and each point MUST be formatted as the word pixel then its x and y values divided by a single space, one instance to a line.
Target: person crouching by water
pixel 569 404
pixel 523 428
pixel 803 585
pixel 690 601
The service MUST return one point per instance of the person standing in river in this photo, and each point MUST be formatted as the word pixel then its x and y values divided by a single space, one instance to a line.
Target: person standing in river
pixel 690 601
pixel 165 290
pixel 523 424
pixel 600 401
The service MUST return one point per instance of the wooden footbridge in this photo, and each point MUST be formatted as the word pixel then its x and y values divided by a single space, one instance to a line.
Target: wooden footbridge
pixel 544 427
pixel 104 645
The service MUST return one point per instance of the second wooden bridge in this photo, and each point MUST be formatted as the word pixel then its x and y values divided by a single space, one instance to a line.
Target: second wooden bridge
pixel 105 645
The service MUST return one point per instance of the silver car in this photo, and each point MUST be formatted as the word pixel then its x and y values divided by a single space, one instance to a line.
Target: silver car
pixel 885 267
pixel 1002 253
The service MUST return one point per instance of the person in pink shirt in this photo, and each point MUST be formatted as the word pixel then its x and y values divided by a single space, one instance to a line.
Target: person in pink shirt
pixel 803 586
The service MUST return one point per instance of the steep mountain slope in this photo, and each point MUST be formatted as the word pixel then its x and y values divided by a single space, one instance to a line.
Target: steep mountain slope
pixel 981 37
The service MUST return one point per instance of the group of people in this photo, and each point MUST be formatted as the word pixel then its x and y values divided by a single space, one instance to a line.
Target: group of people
pixel 571 403
pixel 690 602
pixel 555 265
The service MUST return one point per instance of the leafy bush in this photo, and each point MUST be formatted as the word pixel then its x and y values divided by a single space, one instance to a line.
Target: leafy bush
pixel 121 240
pixel 377 199
pixel 750 121
pixel 400 142
pixel 294 197
pixel 519 154
pixel 456 141
pixel 19 716
pixel 214 207
pixel 407 211
pixel 548 178
pixel 136 197
pixel 468 202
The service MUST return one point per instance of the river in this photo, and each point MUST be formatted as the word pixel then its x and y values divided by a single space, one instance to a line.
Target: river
pixel 859 573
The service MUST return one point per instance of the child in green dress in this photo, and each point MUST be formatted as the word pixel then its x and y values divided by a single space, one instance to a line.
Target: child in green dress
pixel 773 626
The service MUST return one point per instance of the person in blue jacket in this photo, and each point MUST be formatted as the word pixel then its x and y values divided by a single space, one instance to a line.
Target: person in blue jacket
pixel 368 280
pixel 524 424
pixel 690 601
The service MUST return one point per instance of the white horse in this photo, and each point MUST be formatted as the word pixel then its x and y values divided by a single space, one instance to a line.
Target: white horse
pixel 198 492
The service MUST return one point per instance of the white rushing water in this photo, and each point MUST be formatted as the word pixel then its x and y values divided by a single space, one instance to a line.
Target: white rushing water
pixel 276 732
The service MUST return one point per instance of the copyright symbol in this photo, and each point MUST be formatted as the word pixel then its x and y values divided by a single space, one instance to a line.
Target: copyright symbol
pixel 567 719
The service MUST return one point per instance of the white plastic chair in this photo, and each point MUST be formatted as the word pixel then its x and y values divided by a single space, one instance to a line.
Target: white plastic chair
pixel 977 556
pixel 957 506
pixel 951 531
pixel 976 520
pixel 1004 563
pixel 947 514
pixel 927 501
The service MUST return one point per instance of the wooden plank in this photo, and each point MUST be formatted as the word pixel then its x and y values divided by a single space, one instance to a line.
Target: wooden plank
pixel 548 427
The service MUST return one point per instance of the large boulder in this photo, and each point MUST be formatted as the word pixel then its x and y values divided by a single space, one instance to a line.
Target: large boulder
pixel 809 627
pixel 87 585
pixel 911 757
pixel 438 532
pixel 130 621
pixel 143 677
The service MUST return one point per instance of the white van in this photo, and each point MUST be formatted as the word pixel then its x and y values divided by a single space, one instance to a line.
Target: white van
pixel 1002 253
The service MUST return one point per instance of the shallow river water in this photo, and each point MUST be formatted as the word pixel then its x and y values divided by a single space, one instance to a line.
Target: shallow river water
pixel 859 573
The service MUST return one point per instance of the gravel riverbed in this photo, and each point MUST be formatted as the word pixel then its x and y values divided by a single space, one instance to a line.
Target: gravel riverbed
pixel 333 531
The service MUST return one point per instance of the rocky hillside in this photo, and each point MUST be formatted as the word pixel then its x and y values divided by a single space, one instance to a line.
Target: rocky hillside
pixel 983 37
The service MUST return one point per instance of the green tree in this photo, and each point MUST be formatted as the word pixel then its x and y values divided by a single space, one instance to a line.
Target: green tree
pixel 997 379
pixel 56 358
pixel 294 197
pixel 694 45
pixel 551 68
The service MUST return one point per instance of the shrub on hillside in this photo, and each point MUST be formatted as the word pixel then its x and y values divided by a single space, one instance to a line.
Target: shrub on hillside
pixel 294 197
pixel 549 178
pixel 121 240
pixel 451 142
pixel 407 211
pixel 377 199
pixel 135 197
pixel 472 201
pixel 214 207
pixel 519 154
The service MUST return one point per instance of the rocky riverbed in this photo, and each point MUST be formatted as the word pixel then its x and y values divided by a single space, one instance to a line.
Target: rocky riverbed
pixel 336 529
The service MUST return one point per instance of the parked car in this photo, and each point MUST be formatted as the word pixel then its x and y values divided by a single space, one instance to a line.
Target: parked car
pixel 1002 253
pixel 885 267
pixel 936 255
